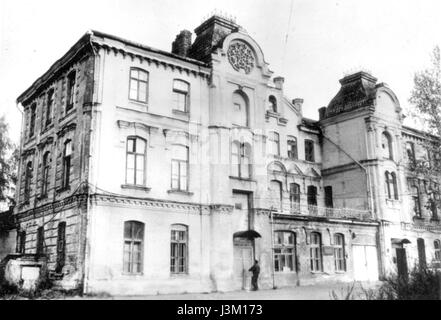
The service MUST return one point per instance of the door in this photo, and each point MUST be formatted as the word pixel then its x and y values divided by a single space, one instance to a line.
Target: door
pixel 401 262
pixel 365 263
pixel 243 260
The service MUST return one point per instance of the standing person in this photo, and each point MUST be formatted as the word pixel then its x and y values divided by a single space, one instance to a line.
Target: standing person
pixel 255 269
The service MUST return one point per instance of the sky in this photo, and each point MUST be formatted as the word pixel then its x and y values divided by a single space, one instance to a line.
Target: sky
pixel 311 43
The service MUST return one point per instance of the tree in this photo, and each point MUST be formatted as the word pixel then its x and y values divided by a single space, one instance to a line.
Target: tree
pixel 9 155
pixel 426 97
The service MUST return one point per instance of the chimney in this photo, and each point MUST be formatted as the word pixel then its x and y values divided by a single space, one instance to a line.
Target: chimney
pixel 278 81
pixel 322 113
pixel 182 43
pixel 209 35
pixel 298 103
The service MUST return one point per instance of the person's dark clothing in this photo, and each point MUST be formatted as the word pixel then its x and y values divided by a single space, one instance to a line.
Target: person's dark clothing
pixel 255 269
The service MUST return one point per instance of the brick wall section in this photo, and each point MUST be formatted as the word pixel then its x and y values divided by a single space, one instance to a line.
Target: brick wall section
pixel 59 205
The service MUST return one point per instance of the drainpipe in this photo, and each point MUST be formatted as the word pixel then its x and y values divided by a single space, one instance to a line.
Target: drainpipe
pixel 272 248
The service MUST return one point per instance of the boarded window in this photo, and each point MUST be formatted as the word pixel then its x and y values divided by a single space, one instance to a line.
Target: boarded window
pixel 133 247
pixel 61 247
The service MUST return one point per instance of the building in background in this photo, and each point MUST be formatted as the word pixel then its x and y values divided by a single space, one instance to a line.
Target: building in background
pixel 145 171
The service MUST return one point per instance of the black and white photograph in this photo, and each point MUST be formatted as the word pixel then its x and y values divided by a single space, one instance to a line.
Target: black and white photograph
pixel 241 151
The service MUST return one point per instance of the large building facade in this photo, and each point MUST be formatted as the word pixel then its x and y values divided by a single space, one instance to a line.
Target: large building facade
pixel 144 171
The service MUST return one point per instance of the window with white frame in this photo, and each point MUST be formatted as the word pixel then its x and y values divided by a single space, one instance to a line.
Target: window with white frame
pixel 240 160
pixel 274 141
pixel 339 253
pixel 181 95
pixel 138 90
pixel 179 249
pixel 179 168
pixel 135 161
pixel 133 247
pixel 294 197
pixel 315 248
pixel 284 251
pixel 391 185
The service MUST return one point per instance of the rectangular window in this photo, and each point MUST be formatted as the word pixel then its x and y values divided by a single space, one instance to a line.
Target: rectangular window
pixel 133 247
pixel 135 161
pixel 284 251
pixel 179 168
pixel 339 253
pixel 294 196
pixel 61 247
pixel 292 148
pixel 70 93
pixel 33 114
pixel 40 240
pixel 22 242
pixel 45 175
pixel 274 140
pixel 181 95
pixel 49 107
pixel 309 151
pixel 316 252
pixel 329 201
pixel 178 249
pixel 67 154
pixel 138 85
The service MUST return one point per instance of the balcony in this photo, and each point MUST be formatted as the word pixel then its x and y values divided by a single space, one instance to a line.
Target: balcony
pixel 433 226
pixel 316 211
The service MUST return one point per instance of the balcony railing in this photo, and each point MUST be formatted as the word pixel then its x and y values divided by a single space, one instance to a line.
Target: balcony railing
pixel 316 211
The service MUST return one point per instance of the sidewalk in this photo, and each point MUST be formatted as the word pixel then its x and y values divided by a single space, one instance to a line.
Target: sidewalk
pixel 312 292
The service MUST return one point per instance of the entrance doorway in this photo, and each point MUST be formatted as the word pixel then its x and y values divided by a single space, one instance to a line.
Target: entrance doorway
pixel 243 260
pixel 400 257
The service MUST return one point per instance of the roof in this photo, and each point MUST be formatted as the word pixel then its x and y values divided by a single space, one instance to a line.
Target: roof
pixel 84 42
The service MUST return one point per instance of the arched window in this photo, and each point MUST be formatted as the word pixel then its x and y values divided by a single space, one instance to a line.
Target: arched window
pixel 139 80
pixel 181 95
pixel 67 155
pixel 294 197
pixel 179 169
pixel 133 247
pixel 240 114
pixel 292 148
pixel 437 247
pixel 386 145
pixel 45 174
pixel 272 104
pixel 276 194
pixel 284 251
pixel 28 181
pixel 33 115
pixel 135 161
pixel 316 252
pixel 274 140
pixel 179 249
pixel 391 185
pixel 339 252
pixel 70 93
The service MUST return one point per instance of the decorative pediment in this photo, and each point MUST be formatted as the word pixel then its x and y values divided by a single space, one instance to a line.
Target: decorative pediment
pixel 45 142
pixel 296 170
pixel 65 129
pixel 135 125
